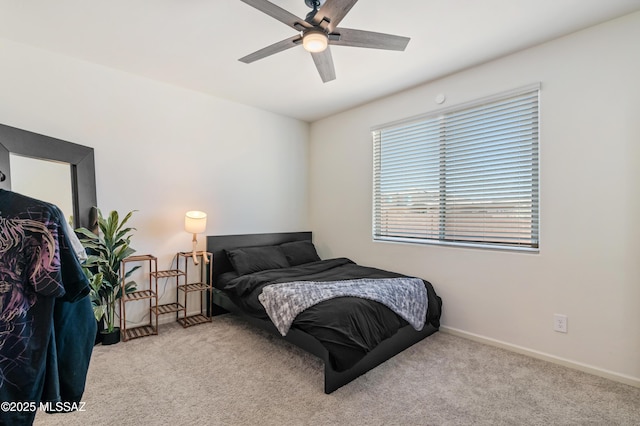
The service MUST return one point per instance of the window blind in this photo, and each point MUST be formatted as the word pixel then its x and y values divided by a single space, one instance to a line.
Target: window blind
pixel 468 175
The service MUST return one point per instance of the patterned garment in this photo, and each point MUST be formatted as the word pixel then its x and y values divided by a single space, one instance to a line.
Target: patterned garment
pixel 407 297
pixel 37 277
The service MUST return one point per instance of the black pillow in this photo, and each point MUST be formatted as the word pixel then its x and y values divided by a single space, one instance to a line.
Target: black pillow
pixel 299 252
pixel 254 259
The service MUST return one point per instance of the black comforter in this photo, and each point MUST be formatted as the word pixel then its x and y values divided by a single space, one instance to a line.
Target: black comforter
pixel 348 327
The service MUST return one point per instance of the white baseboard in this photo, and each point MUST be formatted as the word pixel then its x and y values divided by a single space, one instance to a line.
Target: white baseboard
pixel 622 378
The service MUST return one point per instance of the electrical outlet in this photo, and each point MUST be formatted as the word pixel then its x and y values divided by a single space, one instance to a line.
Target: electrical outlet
pixel 560 323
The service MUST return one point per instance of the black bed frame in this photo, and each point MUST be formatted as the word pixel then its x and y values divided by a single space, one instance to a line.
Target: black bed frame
pixel 404 338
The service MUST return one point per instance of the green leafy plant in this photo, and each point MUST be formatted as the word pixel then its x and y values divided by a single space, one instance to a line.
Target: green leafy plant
pixel 106 251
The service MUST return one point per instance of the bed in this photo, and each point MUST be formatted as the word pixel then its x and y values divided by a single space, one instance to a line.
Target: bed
pixel 347 352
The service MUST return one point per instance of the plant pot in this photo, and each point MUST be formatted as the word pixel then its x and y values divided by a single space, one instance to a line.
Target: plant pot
pixel 99 331
pixel 110 338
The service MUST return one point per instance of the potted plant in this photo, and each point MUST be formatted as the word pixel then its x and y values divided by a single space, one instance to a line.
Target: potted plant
pixel 106 251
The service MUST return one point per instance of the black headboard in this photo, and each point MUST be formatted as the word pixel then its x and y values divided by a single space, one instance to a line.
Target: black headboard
pixel 216 244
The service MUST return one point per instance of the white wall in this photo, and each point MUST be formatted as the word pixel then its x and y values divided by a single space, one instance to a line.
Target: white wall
pixel 589 262
pixel 163 150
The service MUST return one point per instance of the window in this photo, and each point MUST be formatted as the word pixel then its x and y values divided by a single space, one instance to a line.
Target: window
pixel 467 175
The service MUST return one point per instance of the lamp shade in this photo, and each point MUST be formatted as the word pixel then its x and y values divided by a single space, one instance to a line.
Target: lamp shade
pixel 195 222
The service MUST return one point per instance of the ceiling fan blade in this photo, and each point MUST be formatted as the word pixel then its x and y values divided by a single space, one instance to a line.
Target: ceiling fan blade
pixel 270 50
pixel 370 39
pixel 332 12
pixel 278 13
pixel 324 64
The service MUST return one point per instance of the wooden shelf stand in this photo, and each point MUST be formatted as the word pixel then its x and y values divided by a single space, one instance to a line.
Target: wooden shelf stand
pixel 172 307
pixel 184 289
pixel 136 296
pixel 203 286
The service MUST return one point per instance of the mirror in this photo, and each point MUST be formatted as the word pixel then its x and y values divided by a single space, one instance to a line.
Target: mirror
pixel 44 180
pixel 70 182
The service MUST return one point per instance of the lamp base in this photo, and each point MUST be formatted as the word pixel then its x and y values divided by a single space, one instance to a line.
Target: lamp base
pixel 194 253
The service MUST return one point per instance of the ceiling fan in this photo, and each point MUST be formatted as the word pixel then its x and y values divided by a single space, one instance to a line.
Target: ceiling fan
pixel 320 29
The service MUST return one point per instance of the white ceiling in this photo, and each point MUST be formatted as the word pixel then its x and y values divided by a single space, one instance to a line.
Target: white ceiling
pixel 196 43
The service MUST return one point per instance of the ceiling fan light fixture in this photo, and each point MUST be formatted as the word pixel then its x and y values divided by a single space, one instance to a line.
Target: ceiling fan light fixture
pixel 315 41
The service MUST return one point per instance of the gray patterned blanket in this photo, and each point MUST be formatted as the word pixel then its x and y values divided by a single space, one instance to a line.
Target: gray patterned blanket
pixel 407 297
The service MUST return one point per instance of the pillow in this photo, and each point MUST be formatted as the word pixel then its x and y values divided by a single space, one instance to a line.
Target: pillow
pixel 255 259
pixel 299 252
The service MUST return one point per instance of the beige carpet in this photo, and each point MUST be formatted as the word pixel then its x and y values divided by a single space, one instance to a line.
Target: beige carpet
pixel 227 373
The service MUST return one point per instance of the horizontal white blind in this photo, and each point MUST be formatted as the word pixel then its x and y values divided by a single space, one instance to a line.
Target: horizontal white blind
pixel 465 176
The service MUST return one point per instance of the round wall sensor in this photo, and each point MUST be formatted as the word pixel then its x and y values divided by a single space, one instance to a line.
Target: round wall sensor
pixel 440 98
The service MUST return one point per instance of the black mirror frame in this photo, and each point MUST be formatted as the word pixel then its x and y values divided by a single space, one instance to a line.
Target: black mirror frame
pixel 80 157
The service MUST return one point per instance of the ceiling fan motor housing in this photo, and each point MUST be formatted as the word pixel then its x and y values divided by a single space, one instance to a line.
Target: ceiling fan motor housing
pixel 314 4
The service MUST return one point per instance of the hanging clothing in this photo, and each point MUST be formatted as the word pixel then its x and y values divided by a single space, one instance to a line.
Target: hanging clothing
pixel 47 327
pixel 76 245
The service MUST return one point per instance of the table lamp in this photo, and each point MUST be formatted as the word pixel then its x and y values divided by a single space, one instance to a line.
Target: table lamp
pixel 195 222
